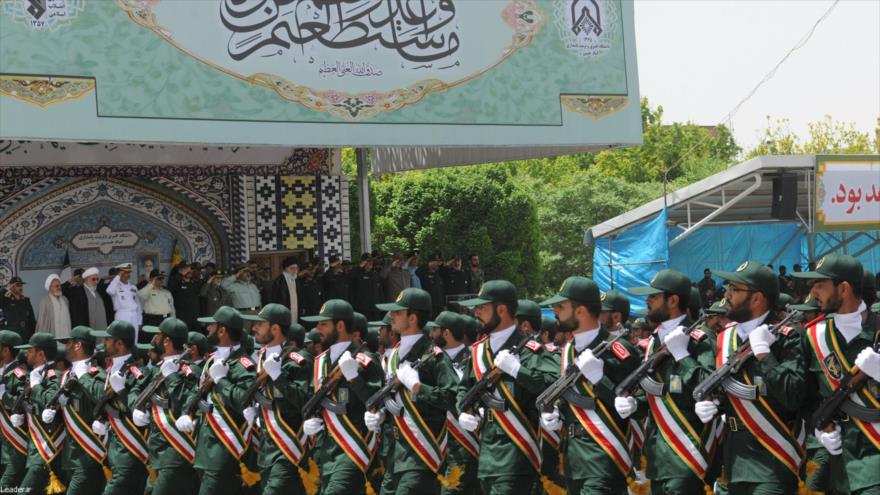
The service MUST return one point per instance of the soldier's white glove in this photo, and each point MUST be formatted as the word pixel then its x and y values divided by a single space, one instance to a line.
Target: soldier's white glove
pixel 550 420
pixel 272 365
pixel 507 362
pixel 869 362
pixel 677 343
pixel 36 378
pixel 168 367
pixel 250 414
pixel 408 376
pixel 48 416
pixel 140 418
pixel 185 424
pixel 312 426
pixel 17 420
pixel 469 422
pixel 80 368
pixel 99 427
pixel 706 410
pixel 591 367
pixel 374 420
pixel 117 382
pixel 218 370
pixel 348 365
pixel 761 339
pixel 625 406
pixel 833 442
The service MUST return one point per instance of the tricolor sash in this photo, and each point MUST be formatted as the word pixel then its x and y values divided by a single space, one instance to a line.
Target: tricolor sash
pixel 282 434
pixel 552 438
pixel 464 438
pixel 598 422
pixel 227 431
pixel 678 432
pixel 48 445
pixel 340 428
pixel 513 421
pixel 16 437
pixel 431 449
pixel 81 431
pixel 635 437
pixel 134 440
pixel 763 423
pixel 823 341
pixel 183 442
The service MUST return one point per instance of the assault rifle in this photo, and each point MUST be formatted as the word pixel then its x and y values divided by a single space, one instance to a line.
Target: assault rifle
pixel 481 392
pixel 638 375
pixel 384 397
pixel 823 418
pixel 328 386
pixel 721 377
pixel 100 410
pixel 261 379
pixel 562 387
pixel 147 393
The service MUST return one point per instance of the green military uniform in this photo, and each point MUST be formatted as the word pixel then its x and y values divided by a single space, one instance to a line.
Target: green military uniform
pixel 19 314
pixel 281 400
pixel 503 467
pixel 14 378
pixel 857 469
pixel 129 470
pixel 588 468
pixel 458 456
pixel 340 475
pixel 749 467
pixel 436 393
pixel 85 475
pixel 667 469
pixel 174 469
pixel 38 473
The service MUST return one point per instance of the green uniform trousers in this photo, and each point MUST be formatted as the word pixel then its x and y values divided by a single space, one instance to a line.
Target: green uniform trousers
pixel 127 480
pixel 597 486
pixel 774 488
pixel 13 471
pixel 389 482
pixel 416 482
pixel 180 480
pixel 469 485
pixel 346 479
pixel 36 478
pixel 675 486
pixel 86 480
pixel 508 485
pixel 226 482
pixel 281 478
pixel 820 479
pixel 871 490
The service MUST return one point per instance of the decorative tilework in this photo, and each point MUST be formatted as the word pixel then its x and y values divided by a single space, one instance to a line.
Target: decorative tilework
pixel 265 198
pixel 331 217
pixel 298 212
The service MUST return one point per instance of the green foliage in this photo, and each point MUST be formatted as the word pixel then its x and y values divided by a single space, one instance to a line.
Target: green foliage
pixel 826 136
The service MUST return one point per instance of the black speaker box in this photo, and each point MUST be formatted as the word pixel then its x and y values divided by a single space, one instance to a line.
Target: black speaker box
pixel 784 204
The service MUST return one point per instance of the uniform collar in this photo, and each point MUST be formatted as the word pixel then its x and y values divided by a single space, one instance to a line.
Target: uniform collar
pixel 172 357
pixel 118 361
pixel 407 342
pixel 585 338
pixel 669 325
pixel 272 349
pixel 337 349
pixel 226 351
pixel 455 351
pixel 850 324
pixel 745 328
pixel 497 339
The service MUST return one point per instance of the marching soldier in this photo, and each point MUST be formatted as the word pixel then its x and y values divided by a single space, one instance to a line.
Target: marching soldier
pixel 510 454
pixel 761 453
pixel 344 448
pixel 198 350
pixel 43 462
pixel 222 440
pixel 127 453
pixel 84 451
pixel 279 403
pixel 528 318
pixel 172 452
pixel 615 312
pixel 844 338
pixel 13 375
pixel 425 395
pixel 596 456
pixel 464 447
pixel 678 447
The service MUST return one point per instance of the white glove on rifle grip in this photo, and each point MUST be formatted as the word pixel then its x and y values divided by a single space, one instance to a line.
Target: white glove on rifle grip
pixel 117 382
pixel 706 410
pixel 761 339
pixel 625 406
pixel 374 420
pixel 550 420
pixel 408 376
pixel 250 414
pixel 469 422
pixel 312 426
pixel 99 427
pixel 348 365
pixel 272 365
pixel 677 343
pixel 17 420
pixel 507 362
pixel 832 441
pixel 48 416
pixel 218 371
pixel 591 367
pixel 184 424
pixel 140 418
pixel 869 362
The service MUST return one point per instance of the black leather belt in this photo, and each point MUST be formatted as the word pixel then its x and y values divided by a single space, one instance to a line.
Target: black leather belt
pixel 576 430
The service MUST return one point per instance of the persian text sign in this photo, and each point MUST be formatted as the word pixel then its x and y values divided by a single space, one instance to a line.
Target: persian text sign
pixel 267 71
pixel 847 192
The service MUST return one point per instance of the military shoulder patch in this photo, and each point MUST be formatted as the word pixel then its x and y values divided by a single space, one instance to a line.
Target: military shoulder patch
pixel 814 322
pixel 296 358
pixel 698 334
pixel 20 373
pixel 643 343
pixel 135 371
pixel 534 346
pixel 437 351
pixel 50 373
pixel 246 362
pixel 94 370
pixel 364 359
pixel 730 324
pixel 185 369
pixel 619 350
pixel 786 331
pixel 551 347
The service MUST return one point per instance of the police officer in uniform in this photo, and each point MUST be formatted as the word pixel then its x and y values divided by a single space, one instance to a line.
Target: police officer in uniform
pixel 761 453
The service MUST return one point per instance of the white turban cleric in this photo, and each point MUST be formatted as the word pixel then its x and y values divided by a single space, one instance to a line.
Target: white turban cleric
pixel 49 280
pixel 91 271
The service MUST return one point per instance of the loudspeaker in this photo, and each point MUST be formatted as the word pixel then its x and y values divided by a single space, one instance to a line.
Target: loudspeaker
pixel 784 204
